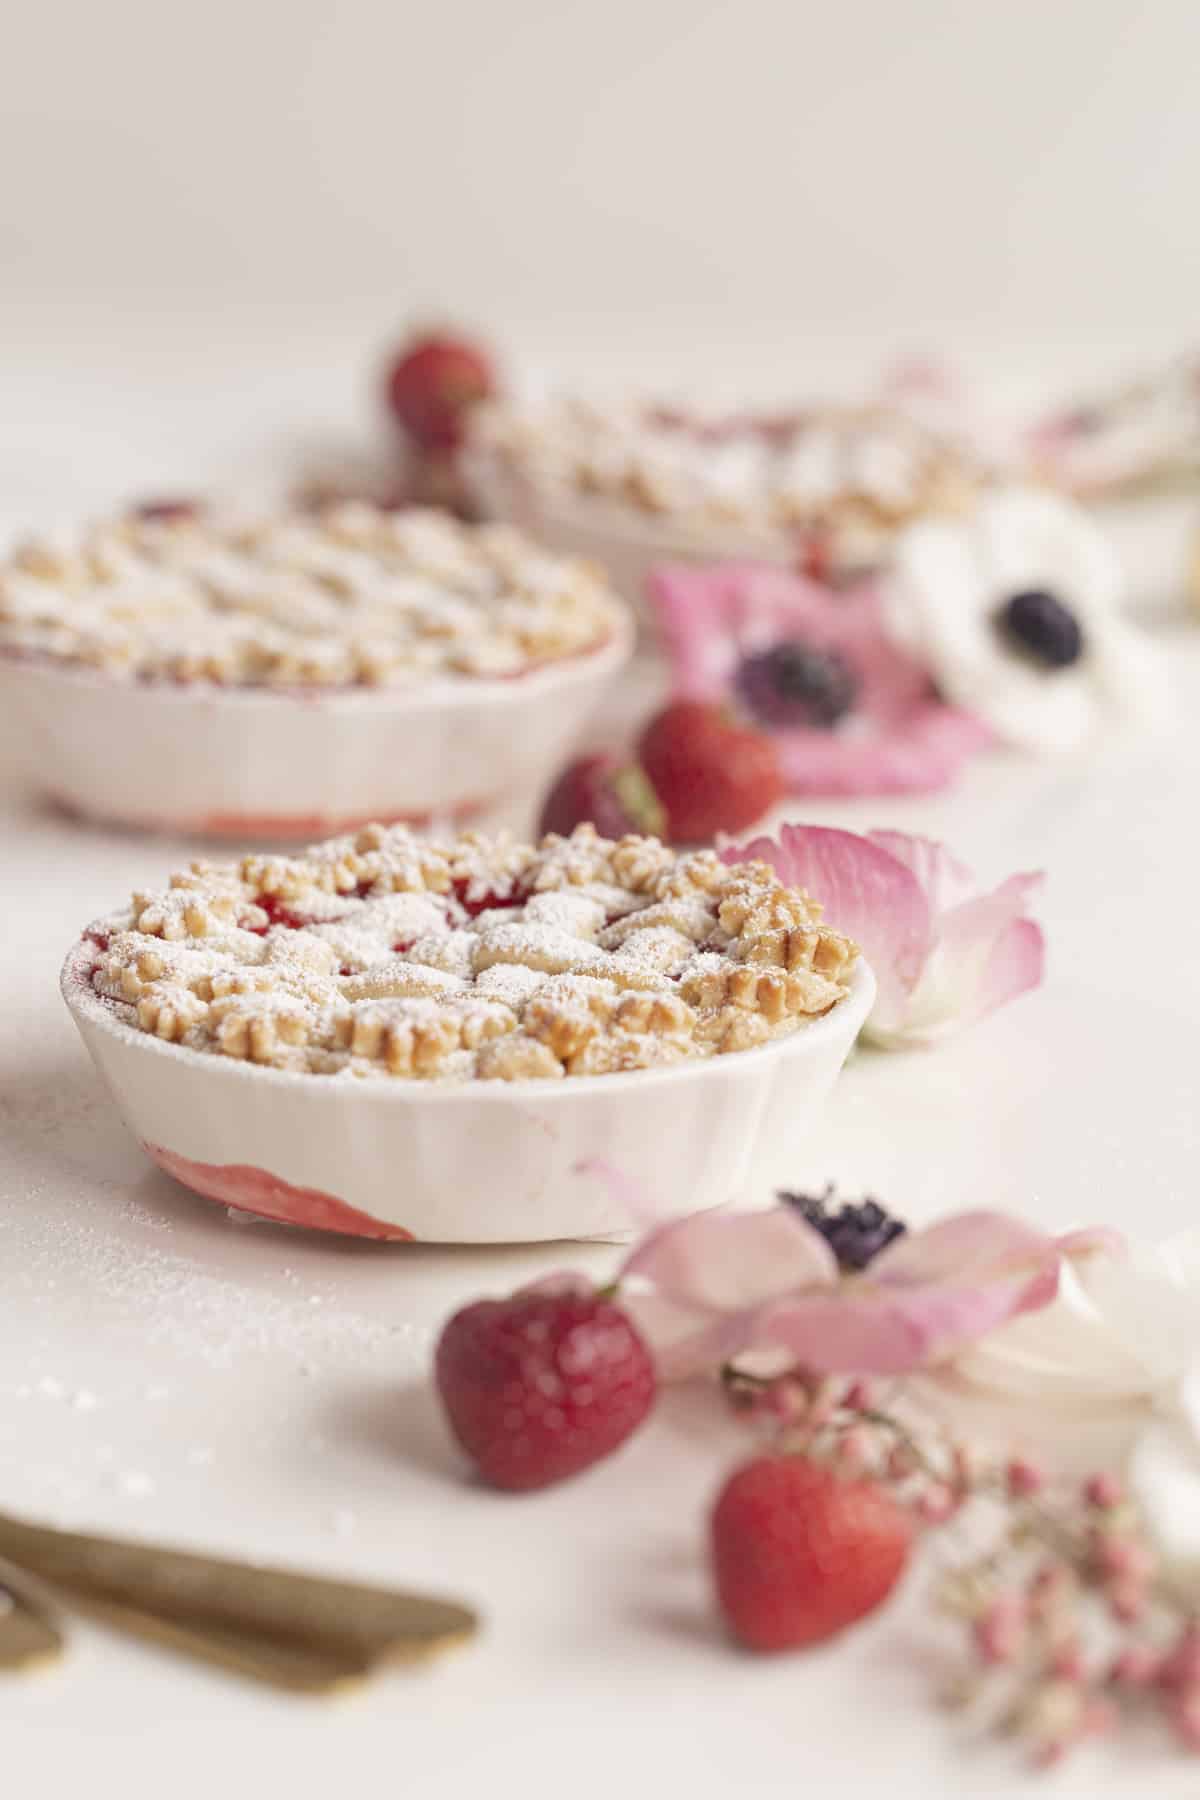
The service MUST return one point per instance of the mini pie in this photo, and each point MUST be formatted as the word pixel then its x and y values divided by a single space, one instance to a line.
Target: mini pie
pixel 826 469
pixel 387 955
pixel 354 597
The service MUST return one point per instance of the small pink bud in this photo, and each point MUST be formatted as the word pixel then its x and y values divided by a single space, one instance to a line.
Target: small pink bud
pixel 1183 1711
pixel 1124 1557
pixel 1023 1478
pixel 1180 1667
pixel 1127 1600
pixel 1103 1490
pixel 1137 1666
pixel 937 1504
pixel 821 1407
pixel 858 1397
pixel 787 1398
pixel 999 1632
pixel 1048 1588
pixel 1067 1662
pixel 854 1448
pixel 901 1462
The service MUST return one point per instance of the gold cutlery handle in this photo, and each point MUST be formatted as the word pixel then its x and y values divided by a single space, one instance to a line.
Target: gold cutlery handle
pixel 297 1630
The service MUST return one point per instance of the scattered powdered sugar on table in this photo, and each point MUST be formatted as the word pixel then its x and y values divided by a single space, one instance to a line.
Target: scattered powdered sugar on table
pixel 178 1303
pixel 136 1483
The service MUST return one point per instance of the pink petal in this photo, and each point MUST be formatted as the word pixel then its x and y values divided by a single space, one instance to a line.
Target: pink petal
pixel 1017 964
pixel 944 878
pixel 923 1298
pixel 1092 1240
pixel 961 1247
pixel 917 755
pixel 712 615
pixel 865 892
pixel 630 1201
pixel 867 1330
pixel 692 605
pixel 684 1343
pixel 726 1261
pixel 988 951
pixel 695 1287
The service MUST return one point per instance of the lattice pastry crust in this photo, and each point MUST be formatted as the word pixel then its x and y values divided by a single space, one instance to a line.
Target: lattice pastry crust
pixel 385 954
pixel 826 468
pixel 353 597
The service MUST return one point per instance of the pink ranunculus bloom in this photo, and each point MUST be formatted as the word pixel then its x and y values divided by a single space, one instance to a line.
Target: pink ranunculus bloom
pixel 715 1286
pixel 944 954
pixel 719 621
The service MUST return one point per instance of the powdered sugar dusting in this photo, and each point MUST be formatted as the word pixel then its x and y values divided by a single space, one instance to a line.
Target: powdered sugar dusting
pixel 816 469
pixel 353 597
pixel 384 954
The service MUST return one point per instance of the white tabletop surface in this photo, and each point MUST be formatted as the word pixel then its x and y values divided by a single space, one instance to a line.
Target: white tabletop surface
pixel 169 1372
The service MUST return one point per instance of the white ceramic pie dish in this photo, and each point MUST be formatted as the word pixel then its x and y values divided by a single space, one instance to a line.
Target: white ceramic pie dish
pixel 1156 538
pixel 625 541
pixel 473 1162
pixel 301 764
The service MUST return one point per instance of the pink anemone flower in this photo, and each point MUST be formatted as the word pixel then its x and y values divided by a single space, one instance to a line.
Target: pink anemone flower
pixel 944 954
pixel 872 724
pixel 716 1286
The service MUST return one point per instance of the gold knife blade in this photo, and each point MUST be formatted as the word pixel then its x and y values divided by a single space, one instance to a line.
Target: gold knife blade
pixel 275 1617
pixel 28 1634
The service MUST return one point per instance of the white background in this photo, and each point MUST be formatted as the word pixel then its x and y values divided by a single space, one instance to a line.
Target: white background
pixel 210 217
pixel 671 181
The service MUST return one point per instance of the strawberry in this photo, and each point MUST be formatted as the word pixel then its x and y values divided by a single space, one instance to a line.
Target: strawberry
pixel 710 772
pixel 167 509
pixel 799 1552
pixel 539 1386
pixel 432 384
pixel 614 796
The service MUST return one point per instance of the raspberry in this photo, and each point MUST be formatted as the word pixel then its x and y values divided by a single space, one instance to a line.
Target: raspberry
pixel 539 1386
pixel 799 1553
pixel 616 799
pixel 856 1232
pixel 794 683
pixel 710 773
pixel 1040 625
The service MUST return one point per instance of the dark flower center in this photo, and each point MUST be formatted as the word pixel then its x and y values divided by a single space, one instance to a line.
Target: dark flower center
pixel 856 1231
pixel 794 683
pixel 1038 624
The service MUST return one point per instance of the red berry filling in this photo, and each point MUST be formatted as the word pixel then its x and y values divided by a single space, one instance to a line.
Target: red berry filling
pixel 277 914
pixel 474 904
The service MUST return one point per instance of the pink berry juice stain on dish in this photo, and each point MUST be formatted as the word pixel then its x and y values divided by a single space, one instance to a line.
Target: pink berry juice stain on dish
pixel 302 828
pixel 306 827
pixel 257 1191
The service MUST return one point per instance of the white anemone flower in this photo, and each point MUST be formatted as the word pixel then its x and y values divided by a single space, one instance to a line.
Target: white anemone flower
pixel 1090 1374
pixel 1164 1477
pixel 1015 611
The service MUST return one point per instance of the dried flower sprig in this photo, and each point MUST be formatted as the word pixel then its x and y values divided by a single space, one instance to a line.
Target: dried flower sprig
pixel 1072 1628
